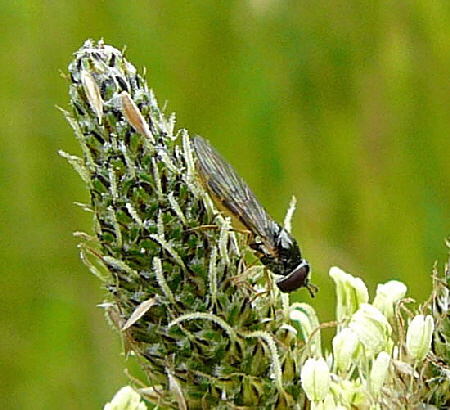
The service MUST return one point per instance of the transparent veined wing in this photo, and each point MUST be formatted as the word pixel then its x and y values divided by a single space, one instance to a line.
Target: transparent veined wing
pixel 228 188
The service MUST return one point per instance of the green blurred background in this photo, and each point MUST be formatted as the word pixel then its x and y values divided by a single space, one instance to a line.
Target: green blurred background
pixel 344 104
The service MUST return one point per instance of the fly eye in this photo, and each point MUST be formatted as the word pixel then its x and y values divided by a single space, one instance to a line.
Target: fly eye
pixel 306 269
pixel 296 279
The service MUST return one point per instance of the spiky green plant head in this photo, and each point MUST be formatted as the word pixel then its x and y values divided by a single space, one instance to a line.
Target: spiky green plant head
pixel 207 328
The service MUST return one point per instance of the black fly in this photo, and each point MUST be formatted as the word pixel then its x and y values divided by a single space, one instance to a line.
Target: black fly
pixel 277 249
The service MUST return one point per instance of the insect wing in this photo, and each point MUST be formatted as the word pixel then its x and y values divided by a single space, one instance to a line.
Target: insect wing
pixel 233 193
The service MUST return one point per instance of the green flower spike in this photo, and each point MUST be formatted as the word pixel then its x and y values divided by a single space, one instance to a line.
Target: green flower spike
pixel 208 331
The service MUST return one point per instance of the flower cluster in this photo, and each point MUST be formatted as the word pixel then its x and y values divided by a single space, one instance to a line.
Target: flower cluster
pixel 369 359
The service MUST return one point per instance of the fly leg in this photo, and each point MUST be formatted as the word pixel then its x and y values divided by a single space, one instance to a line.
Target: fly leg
pixel 215 227
pixel 255 272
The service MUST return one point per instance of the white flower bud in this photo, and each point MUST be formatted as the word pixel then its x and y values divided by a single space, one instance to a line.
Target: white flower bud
pixel 315 377
pixel 351 292
pixel 307 318
pixel 418 336
pixel 379 372
pixel 372 328
pixel 387 295
pixel 126 399
pixel 344 346
pixel 304 321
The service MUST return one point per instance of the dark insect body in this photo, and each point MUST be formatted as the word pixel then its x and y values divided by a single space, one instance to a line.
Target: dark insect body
pixel 276 248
